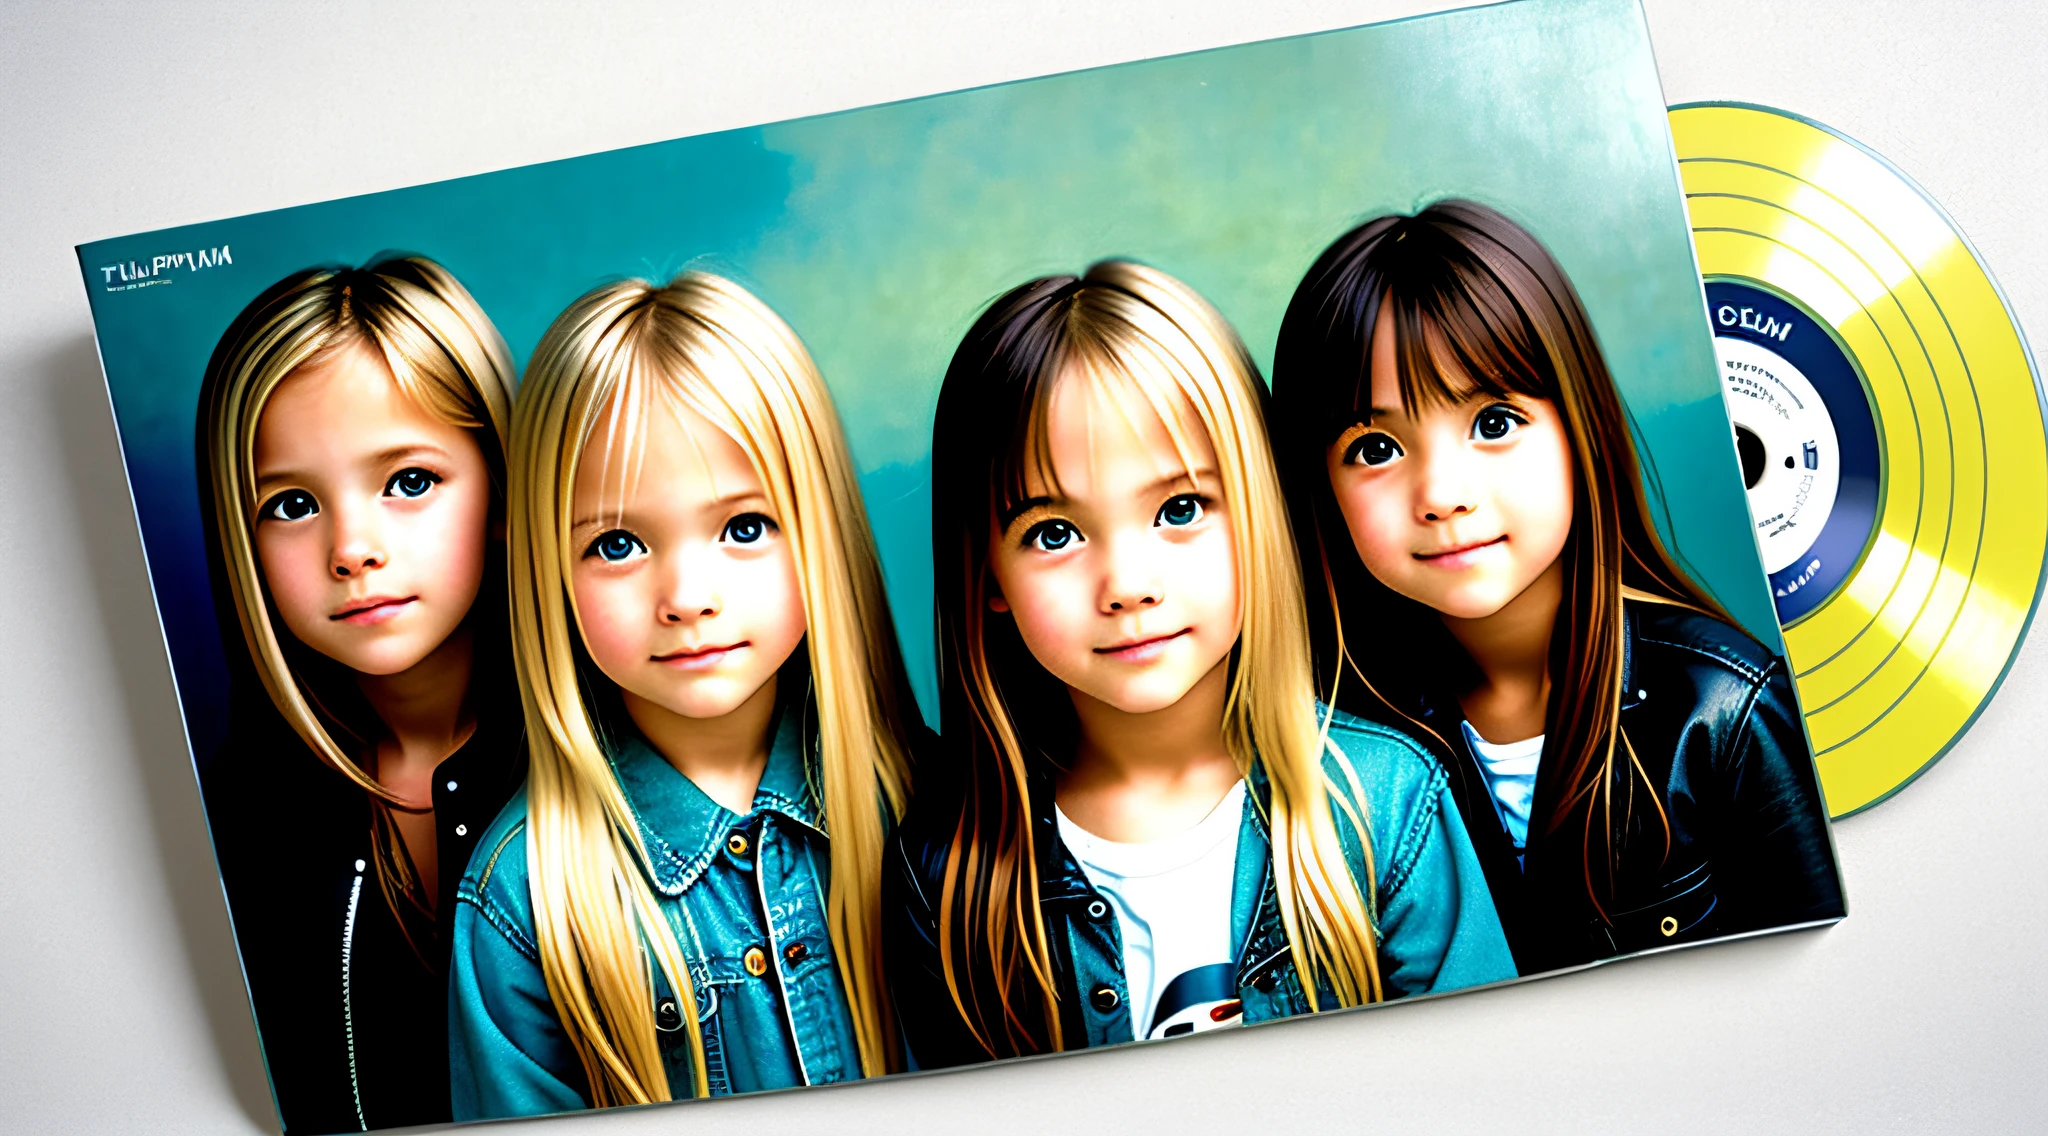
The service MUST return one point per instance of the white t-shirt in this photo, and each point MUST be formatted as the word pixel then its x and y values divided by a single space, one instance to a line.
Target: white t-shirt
pixel 1172 901
pixel 1510 771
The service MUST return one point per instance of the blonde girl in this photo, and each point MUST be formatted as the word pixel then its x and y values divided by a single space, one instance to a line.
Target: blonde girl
pixel 351 446
pixel 1142 825
pixel 684 901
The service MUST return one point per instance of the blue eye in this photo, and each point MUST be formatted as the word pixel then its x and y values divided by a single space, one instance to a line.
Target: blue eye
pixel 1495 423
pixel 1051 536
pixel 1373 449
pixel 1179 511
pixel 746 528
pixel 290 505
pixel 615 546
pixel 412 482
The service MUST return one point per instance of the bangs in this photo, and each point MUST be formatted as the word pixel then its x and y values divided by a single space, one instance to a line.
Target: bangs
pixel 1131 373
pixel 392 322
pixel 1028 449
pixel 1460 319
pixel 424 367
pixel 403 330
pixel 1465 337
pixel 641 368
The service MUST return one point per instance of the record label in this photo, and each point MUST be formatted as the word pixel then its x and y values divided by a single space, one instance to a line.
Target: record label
pixel 1807 440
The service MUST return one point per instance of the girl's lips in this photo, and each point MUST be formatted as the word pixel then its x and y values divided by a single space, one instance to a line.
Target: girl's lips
pixel 1141 650
pixel 698 658
pixel 375 609
pixel 1460 556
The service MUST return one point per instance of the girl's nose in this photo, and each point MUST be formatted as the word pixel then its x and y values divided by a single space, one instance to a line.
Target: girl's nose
pixel 1446 489
pixel 1131 583
pixel 692 592
pixel 357 545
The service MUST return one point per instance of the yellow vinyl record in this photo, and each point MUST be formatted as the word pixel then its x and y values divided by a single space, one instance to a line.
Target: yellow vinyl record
pixel 1889 421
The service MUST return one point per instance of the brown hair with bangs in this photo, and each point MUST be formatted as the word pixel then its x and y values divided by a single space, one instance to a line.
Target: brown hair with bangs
pixel 1475 295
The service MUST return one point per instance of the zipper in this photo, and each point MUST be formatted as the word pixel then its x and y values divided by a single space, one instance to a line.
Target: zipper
pixel 348 1014
pixel 775 949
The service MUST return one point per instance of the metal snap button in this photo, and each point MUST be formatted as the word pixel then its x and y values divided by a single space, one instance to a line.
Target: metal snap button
pixel 1669 926
pixel 1097 909
pixel 667 1016
pixel 1105 998
pixel 451 786
pixel 462 830
pixel 795 952
pixel 736 844
pixel 756 961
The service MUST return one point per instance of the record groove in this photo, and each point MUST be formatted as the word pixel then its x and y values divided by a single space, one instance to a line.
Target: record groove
pixel 1899 636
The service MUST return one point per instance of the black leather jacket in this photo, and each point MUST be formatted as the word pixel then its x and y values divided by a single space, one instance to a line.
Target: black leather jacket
pixel 1713 721
pixel 353 1024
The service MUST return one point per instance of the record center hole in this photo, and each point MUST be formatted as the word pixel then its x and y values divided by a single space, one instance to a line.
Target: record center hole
pixel 1750 449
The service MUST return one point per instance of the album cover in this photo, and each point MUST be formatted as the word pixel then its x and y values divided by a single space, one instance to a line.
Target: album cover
pixel 1086 561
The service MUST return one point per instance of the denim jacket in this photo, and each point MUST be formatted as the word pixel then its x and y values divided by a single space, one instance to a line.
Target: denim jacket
pixel 745 897
pixel 1436 922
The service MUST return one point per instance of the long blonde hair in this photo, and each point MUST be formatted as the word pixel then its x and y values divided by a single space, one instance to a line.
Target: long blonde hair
pixel 1004 715
pixel 705 343
pixel 445 356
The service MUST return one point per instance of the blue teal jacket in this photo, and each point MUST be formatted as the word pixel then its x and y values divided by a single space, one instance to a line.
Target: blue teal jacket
pixel 745 897
pixel 1437 927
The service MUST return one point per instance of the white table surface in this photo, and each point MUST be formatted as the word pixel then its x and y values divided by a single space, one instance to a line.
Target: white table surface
pixel 121 1006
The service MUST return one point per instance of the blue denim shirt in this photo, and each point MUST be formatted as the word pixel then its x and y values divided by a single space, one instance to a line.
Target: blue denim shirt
pixel 1438 930
pixel 746 899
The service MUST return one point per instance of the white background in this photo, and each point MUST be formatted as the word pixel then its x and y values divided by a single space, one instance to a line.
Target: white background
pixel 121 1006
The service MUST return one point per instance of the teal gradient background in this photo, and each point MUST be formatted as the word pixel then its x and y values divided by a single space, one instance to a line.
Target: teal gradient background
pixel 880 233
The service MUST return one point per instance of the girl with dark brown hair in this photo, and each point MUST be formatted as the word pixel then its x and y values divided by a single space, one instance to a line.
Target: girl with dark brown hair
pixel 1483 572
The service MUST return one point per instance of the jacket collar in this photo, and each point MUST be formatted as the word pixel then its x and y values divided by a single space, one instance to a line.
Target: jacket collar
pixel 1060 878
pixel 1433 700
pixel 682 829
pixel 494 756
pixel 1254 904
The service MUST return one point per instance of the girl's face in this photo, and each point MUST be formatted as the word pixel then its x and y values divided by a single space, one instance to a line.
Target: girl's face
pixel 373 518
pixel 686 588
pixel 1459 506
pixel 1123 581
